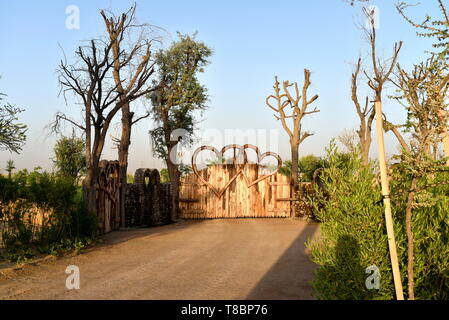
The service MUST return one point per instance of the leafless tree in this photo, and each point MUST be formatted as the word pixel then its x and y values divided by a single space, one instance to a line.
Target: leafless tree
pixel 88 80
pixel 131 70
pixel 295 107
pixel 348 138
pixel 366 114
pixel 379 75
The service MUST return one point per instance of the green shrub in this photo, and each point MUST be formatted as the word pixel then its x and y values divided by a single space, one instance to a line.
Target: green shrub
pixel 69 225
pixel 352 232
pixel 353 236
pixel 306 166
pixel 8 189
pixel 430 225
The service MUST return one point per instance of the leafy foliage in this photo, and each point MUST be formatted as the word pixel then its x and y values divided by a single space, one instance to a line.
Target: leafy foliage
pixel 180 94
pixel 70 159
pixel 164 175
pixel 12 133
pixel 431 27
pixel 352 229
pixel 307 166
pixel 10 166
pixel 69 222
pixel 353 234
pixel 430 225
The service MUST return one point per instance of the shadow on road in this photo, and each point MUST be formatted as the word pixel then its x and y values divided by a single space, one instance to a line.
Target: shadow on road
pixel 289 277
pixel 124 235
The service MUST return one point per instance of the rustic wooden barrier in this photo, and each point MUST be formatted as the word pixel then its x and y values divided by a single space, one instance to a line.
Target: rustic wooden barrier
pixel 108 198
pixel 147 200
pixel 270 197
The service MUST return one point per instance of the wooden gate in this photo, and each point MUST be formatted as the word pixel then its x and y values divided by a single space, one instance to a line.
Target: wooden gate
pixel 108 198
pixel 270 197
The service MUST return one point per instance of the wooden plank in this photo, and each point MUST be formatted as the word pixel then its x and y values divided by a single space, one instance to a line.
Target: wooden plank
pixel 269 198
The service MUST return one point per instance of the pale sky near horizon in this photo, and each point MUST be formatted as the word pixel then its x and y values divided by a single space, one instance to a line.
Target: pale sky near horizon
pixel 252 41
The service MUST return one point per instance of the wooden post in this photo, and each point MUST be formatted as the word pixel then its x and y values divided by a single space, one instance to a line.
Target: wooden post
pixel 387 202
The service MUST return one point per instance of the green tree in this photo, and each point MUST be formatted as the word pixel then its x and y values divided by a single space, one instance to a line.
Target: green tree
pixel 10 167
pixel 436 28
pixel 177 102
pixel 307 166
pixel 70 160
pixel 12 133
pixel 417 172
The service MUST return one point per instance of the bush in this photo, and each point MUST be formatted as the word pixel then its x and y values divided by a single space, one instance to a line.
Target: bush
pixel 8 189
pixel 352 229
pixel 68 223
pixel 430 225
pixel 353 236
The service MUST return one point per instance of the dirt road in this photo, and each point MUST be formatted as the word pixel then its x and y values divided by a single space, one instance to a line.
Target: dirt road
pixel 214 259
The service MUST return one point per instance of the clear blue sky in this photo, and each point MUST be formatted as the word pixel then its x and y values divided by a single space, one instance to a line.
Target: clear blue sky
pixel 252 40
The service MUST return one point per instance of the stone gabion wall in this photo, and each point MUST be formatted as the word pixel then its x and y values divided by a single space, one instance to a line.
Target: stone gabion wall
pixel 147 200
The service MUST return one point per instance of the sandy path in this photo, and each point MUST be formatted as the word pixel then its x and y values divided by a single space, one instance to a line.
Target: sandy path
pixel 214 259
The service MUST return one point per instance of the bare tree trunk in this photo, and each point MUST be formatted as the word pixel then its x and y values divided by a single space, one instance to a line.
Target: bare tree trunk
pixel 365 115
pixel 365 153
pixel 295 177
pixel 410 239
pixel 365 140
pixel 175 176
pixel 89 185
pixel 125 142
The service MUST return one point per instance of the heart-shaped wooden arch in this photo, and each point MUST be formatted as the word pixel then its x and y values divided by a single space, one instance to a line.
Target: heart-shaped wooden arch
pixel 240 167
pixel 260 157
pixel 219 154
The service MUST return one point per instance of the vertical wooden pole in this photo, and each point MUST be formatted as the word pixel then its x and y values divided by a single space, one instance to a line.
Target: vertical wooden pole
pixel 387 202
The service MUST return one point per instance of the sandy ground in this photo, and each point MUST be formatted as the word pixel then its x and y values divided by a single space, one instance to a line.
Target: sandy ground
pixel 213 259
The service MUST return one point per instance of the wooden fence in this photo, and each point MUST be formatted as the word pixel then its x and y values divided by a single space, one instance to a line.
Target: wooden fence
pixel 147 201
pixel 108 197
pixel 270 197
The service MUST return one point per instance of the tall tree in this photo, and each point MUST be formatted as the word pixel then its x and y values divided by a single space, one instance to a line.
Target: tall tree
pixel 435 28
pixel 419 91
pixel 70 160
pixel 377 78
pixel 12 133
pixel 10 166
pixel 178 101
pixel 88 80
pixel 295 107
pixel 131 70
